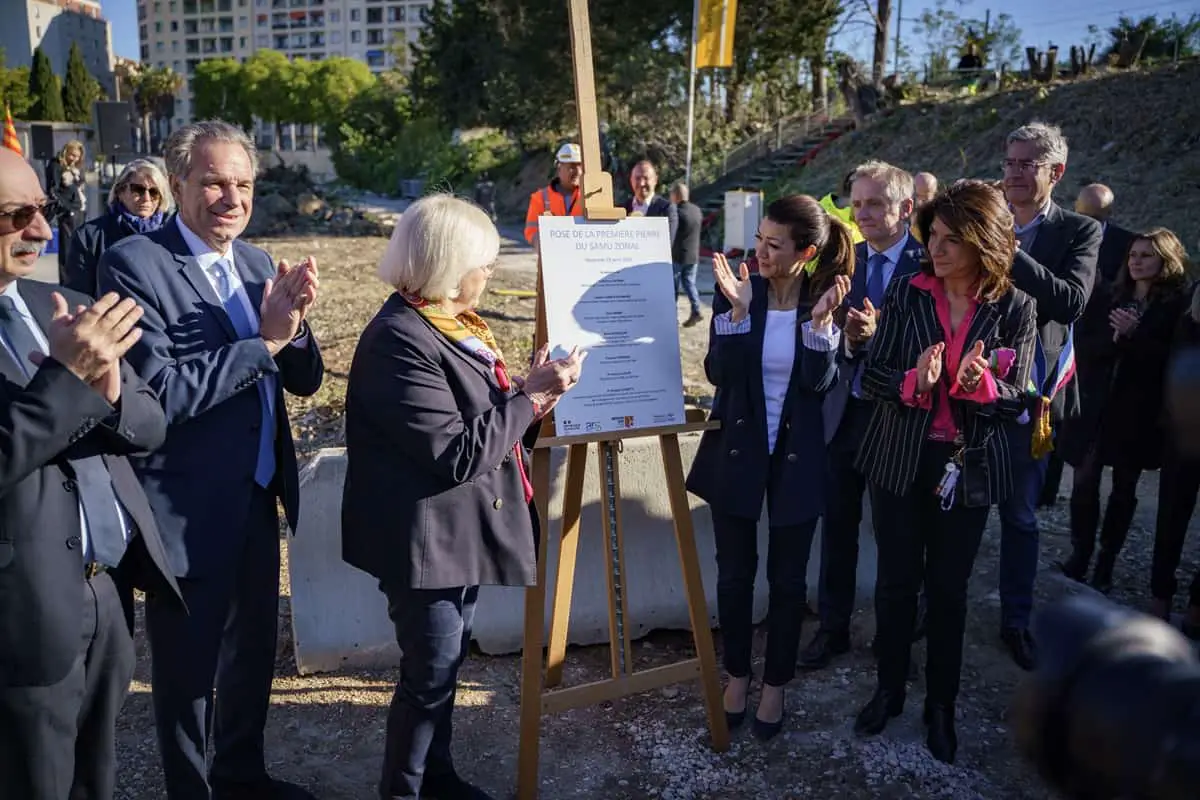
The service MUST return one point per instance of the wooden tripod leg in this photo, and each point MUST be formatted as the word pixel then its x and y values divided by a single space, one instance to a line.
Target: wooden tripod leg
pixel 531 655
pixel 693 585
pixel 568 550
pixel 618 589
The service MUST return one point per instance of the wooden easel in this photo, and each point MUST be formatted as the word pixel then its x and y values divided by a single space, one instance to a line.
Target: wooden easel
pixel 597 195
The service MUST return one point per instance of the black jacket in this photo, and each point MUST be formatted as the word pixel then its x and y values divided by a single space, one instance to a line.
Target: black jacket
pixel 892 445
pixel 1058 272
pixel 1121 388
pixel 433 496
pixel 685 248
pixel 53 418
pixel 659 207
pixel 733 468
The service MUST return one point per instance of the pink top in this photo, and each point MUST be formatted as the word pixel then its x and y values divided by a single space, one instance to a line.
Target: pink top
pixel 943 428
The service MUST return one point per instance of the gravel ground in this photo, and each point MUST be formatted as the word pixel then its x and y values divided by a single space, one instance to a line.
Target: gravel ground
pixel 326 731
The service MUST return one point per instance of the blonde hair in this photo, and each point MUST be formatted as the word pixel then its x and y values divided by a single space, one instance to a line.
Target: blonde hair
pixel 144 166
pixel 436 242
pixel 74 144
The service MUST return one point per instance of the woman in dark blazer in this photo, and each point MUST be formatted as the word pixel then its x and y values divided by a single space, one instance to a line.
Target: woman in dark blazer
pixel 771 356
pixel 139 202
pixel 438 499
pixel 949 363
pixel 1121 421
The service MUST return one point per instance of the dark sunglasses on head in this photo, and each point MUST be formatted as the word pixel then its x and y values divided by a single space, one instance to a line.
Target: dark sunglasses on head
pixel 23 216
pixel 139 190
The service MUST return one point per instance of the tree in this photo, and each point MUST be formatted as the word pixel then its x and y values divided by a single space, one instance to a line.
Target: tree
pixel 219 92
pixel 14 88
pixel 335 83
pixel 947 35
pixel 272 85
pixel 154 91
pixel 45 90
pixel 80 90
pixel 1169 38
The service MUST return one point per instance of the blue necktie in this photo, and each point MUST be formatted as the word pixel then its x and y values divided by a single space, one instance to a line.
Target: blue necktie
pixel 265 469
pixel 875 289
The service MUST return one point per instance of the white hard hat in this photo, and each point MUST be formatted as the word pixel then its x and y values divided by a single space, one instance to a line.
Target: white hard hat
pixel 569 153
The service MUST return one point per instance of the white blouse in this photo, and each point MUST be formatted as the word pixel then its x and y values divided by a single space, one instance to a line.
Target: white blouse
pixel 778 358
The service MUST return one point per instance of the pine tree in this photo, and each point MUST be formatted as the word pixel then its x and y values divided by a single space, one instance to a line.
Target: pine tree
pixel 45 90
pixel 80 89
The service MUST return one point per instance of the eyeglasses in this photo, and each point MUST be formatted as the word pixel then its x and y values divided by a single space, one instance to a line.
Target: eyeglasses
pixel 22 217
pixel 140 190
pixel 1013 165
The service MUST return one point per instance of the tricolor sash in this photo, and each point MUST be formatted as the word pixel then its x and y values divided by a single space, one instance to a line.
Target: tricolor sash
pixel 1044 386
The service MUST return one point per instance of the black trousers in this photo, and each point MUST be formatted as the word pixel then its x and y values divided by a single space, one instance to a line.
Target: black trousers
pixel 918 541
pixel 787 567
pixel 1085 507
pixel 1178 487
pixel 59 741
pixel 67 225
pixel 843 518
pixel 433 629
pixel 227 636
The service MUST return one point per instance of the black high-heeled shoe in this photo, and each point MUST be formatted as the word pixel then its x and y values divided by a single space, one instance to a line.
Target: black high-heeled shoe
pixel 765 731
pixel 883 706
pixel 734 719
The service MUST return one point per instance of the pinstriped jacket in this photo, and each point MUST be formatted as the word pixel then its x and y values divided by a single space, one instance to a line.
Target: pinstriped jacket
pixel 909 324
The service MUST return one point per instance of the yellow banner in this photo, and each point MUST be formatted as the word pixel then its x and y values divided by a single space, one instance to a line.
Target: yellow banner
pixel 714 33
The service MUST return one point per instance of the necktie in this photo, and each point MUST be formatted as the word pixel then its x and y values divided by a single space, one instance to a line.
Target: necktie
pixel 875 289
pixel 265 468
pixel 105 531
pixel 18 334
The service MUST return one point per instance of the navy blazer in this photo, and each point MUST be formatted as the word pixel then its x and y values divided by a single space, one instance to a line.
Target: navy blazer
pixel 201 480
pixel 732 469
pixel 848 359
pixel 891 447
pixel 45 422
pixel 433 497
pixel 659 207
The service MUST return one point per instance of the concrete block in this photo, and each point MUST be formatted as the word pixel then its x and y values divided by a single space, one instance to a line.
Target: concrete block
pixel 339 616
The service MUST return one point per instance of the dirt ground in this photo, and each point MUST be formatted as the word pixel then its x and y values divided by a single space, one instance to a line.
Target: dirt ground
pixel 326 732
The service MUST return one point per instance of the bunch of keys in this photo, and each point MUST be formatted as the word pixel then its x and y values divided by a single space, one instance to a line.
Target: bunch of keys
pixel 945 487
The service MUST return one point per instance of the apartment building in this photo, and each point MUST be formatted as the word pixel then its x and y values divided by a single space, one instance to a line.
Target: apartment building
pixel 53 25
pixel 182 33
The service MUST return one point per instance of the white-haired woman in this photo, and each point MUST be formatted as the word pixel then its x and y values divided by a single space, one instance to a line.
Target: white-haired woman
pixel 139 202
pixel 438 499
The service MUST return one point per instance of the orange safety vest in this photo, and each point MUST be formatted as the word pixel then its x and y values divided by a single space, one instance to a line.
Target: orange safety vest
pixel 548 200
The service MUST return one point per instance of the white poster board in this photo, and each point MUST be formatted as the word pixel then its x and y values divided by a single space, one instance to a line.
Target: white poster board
pixel 610 290
pixel 743 212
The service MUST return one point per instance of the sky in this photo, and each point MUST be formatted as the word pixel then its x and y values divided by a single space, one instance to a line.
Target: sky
pixel 1064 23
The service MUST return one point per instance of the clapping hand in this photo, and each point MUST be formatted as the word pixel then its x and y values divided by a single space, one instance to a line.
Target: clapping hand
pixel 1123 321
pixel 929 367
pixel 92 341
pixel 860 325
pixel 972 367
pixel 286 301
pixel 736 288
pixel 822 313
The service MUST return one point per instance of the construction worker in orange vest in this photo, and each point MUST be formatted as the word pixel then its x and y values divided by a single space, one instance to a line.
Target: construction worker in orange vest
pixel 561 197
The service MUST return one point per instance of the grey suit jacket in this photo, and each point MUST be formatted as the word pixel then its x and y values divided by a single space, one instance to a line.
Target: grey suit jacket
pixel 834 407
pixel 44 423
pixel 201 480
